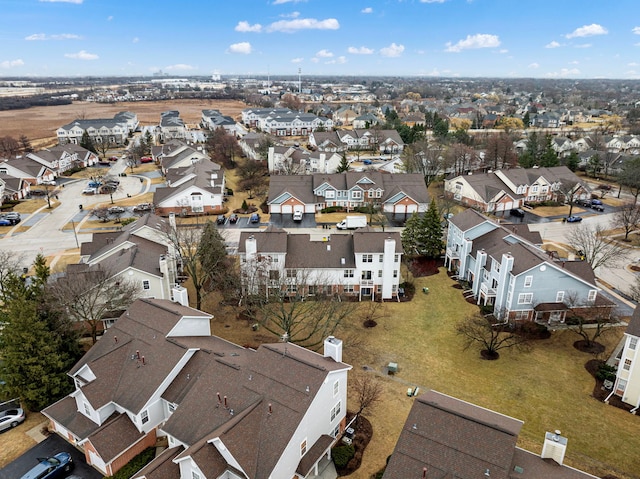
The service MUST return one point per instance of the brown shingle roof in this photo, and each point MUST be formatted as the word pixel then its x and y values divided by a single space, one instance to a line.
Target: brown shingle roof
pixel 162 467
pixel 114 437
pixel 65 412
pixel 634 323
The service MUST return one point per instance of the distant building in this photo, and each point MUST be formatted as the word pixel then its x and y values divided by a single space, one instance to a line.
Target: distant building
pixel 105 130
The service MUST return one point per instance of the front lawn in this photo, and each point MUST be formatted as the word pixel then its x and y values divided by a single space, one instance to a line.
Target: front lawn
pixel 548 388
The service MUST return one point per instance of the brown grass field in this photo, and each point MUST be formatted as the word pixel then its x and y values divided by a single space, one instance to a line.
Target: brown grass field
pixel 39 124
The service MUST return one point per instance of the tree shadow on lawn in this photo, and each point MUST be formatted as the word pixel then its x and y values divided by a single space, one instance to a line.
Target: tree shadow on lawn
pixel 420 266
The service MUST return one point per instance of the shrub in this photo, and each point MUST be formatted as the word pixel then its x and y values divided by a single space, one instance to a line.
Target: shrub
pixel 331 209
pixel 342 455
pixel 135 464
pixel 606 372
pixel 126 221
pixel 244 206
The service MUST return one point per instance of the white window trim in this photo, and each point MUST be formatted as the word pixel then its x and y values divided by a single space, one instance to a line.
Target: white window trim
pixel 525 298
pixel 528 281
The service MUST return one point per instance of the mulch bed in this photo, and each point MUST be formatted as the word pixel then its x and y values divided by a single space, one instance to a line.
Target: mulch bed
pixel 599 391
pixel 363 434
pixel 420 267
pixel 591 348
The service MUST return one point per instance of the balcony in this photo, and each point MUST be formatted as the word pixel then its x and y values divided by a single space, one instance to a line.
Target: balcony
pixel 451 253
pixel 486 291
pixel 367 283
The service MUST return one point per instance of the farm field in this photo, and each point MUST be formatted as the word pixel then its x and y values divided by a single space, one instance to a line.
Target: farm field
pixel 40 123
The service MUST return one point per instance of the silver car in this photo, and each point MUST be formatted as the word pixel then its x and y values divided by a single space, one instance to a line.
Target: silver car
pixel 10 418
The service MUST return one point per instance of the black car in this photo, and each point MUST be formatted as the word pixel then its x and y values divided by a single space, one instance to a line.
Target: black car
pixel 517 212
pixel 597 207
pixel 233 219
pixel 221 219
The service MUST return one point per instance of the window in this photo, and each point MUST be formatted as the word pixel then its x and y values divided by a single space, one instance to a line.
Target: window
pixel 195 475
pixel 521 315
pixel 356 195
pixel 330 194
pixel 274 275
pixel 292 289
pixel 525 298
pixel 395 273
pixel 627 364
pixel 622 385
pixel 336 431
pixel 348 273
pixel 528 281
pixel 365 275
pixel 379 273
pixel 633 343
pixel 146 284
pixel 367 258
pixel 592 295
pixel 335 411
pixel 559 296
pixel 172 407
pixel 291 273
pixel 144 416
pixel 534 189
pixel 380 258
pixel 303 448
pixel 336 388
pixel 396 258
pixel 348 288
pixel 87 409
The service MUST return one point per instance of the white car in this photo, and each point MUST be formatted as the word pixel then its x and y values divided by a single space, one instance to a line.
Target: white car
pixel 89 191
pixel 297 215
pixel 49 183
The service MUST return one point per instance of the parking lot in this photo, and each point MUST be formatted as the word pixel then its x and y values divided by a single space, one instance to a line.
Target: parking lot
pixel 50 446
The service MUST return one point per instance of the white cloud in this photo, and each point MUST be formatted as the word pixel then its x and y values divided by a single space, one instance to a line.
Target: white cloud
pixel 392 50
pixel 243 47
pixel 633 64
pixel 504 50
pixel 109 18
pixel 553 44
pixel 59 36
pixel 290 15
pixel 135 40
pixel 289 26
pixel 11 64
pixel 360 50
pixel 584 45
pixel 588 31
pixel 367 10
pixel 297 60
pixel 179 67
pixel 533 65
pixel 315 60
pixel 82 55
pixel 480 40
pixel 564 72
pixel 340 60
pixel 77 2
pixel 280 2
pixel 246 27
pixel 636 30
pixel 324 54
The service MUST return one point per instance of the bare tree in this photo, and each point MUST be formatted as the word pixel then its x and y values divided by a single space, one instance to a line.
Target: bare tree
pixel 491 337
pixel 253 177
pixel 424 158
pixel 104 147
pixel 102 213
pixel 371 312
pixel 500 152
pixel 88 293
pixel 589 320
pixel 598 249
pixel 569 191
pixel 627 218
pixel 9 267
pixel 368 392
pixel 459 158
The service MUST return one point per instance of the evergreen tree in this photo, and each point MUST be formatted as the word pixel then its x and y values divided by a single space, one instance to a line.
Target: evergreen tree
pixel 572 161
pixel 87 143
pixel 526 120
pixel 344 165
pixel 441 129
pixel 549 156
pixel 430 235
pixel 410 235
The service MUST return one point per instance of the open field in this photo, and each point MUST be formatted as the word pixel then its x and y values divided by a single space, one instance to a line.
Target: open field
pixel 40 123
pixel 548 387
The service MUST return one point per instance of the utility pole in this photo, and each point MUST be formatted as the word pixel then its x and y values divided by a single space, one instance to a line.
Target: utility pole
pixel 299 80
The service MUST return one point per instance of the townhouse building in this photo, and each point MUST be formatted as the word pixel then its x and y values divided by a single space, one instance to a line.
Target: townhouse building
pixel 225 410
pixel 101 130
pixel 365 263
pixel 506 268
pixel 627 383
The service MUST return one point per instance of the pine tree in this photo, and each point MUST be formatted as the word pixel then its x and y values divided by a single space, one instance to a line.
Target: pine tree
pixel 430 236
pixel 344 165
pixel 410 235
pixel 549 156
pixel 87 143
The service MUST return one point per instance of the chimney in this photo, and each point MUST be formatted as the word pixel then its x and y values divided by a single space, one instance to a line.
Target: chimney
pixel 251 247
pixel 554 447
pixel 328 247
pixel 333 349
pixel 172 221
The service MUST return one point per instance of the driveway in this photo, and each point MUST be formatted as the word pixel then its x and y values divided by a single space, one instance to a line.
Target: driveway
pixel 50 446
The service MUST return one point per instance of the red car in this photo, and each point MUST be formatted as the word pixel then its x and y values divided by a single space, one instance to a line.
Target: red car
pixel 146 159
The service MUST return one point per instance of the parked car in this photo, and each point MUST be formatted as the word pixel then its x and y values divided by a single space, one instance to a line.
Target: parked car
pixel 597 207
pixel 596 202
pixel 10 418
pixel 49 182
pixel 517 212
pixel 13 217
pixel 255 218
pixel 108 188
pixel 90 190
pixel 5 222
pixel 573 219
pixel 146 159
pixel 142 207
pixel 221 219
pixel 366 162
pixel 298 215
pixel 51 467
pixel 113 158
pixel 116 210
pixel 94 184
pixel 233 219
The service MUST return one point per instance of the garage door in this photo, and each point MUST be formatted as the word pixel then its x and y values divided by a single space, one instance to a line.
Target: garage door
pixel 287 209
pixel 400 209
pixel 97 462
pixel 412 208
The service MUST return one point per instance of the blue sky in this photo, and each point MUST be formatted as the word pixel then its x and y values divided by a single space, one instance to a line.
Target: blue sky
pixel 447 38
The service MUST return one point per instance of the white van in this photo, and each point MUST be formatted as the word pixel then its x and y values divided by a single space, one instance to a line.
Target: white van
pixel 297 215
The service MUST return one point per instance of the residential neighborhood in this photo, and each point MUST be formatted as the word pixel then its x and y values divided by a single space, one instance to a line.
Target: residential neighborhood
pixel 289 289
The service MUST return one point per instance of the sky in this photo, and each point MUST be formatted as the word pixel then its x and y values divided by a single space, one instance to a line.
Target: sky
pixel 439 38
